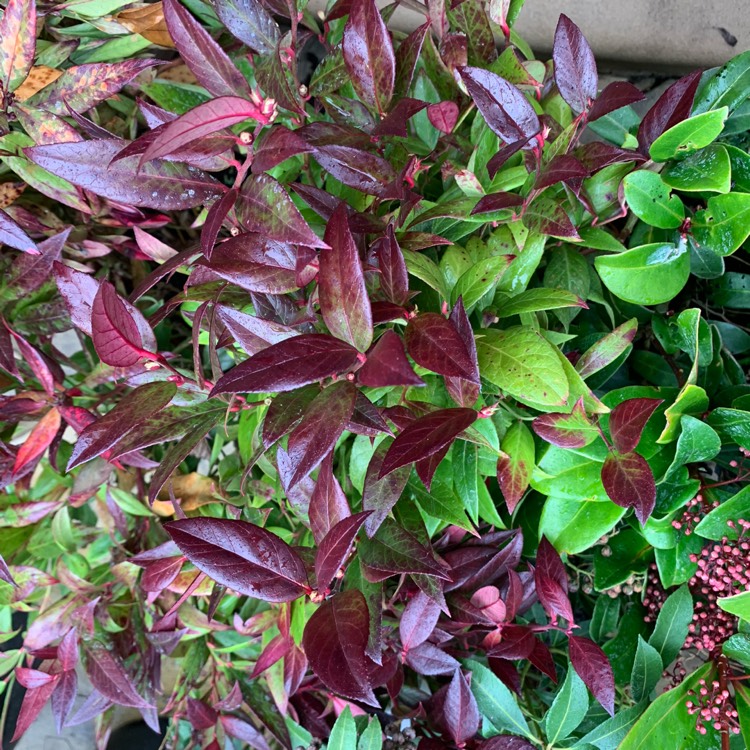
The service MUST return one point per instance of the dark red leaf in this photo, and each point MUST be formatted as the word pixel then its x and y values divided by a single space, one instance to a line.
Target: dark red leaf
pixel 541 658
pixel 394 123
pixel 506 742
pixel 593 667
pixel 335 640
pixel 368 54
pixel 37 362
pixel 513 476
pixel 562 168
pixel 252 333
pixel 5 574
pixel 496 202
pixel 328 504
pixel 443 116
pixel 243 730
pixel 31 706
pixel 387 364
pixel 321 426
pixel 552 582
pixel 344 303
pixel 64 697
pixel 574 430
pixel 427 435
pixel 288 365
pixel 285 413
pixel 108 676
pixel 394 277
pixel 67 650
pixel 597 155
pixel 497 161
pixel 407 55
pixel 30 271
pixel 366 418
pixel 614 96
pixel 627 420
pixel 356 168
pixel 159 574
pixel 277 648
pixel 630 483
pixel 280 144
pixel 418 620
pixel 427 467
pixel 429 660
pixel 379 495
pixel 479 565
pixel 575 67
pixel 39 439
pixel 214 220
pixel 133 410
pixel 673 106
pixel 464 391
pixel 335 549
pixel 200 714
pixel 461 713
pixel 516 642
pixel 206 59
pixel 505 109
pixel 250 22
pixel 433 342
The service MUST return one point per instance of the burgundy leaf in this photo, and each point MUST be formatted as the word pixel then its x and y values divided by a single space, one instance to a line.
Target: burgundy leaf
pixel 407 55
pixel 673 106
pixel 607 349
pixel 159 574
pixel 387 364
pixel 67 650
pixel 31 706
pixel 379 495
pixel 394 123
pixel 39 439
pixel 368 54
pixel 426 467
pixel 541 658
pixel 94 705
pixel 614 96
pixel 366 418
pixel 288 365
pixel 321 426
pixel 506 742
pixel 277 648
pixel 32 679
pixel 108 676
pixel 285 413
pixel 250 22
pixel 205 58
pixel 356 168
pixel 13 235
pixel 335 549
pixel 496 202
pixel 214 220
pixel 5 574
pixel 252 333
pixel 335 640
pixel 443 116
pixel 552 582
pixel 7 356
pixel 200 714
pixel 627 420
pixel 575 67
pixel 153 247
pixel 280 144
pixel 497 161
pixel 461 713
pixel 427 435
pixel 464 391
pixel 561 168
pixel 505 109
pixel 593 667
pixel 574 430
pixel 597 155
pixel 243 730
pixel 162 185
pixel 242 557
pixel 132 410
pixel 264 206
pixel 433 342
pixel 394 277
pixel 429 660
pixel 630 483
pixel 328 504
pixel 63 698
pixel 418 620
pixel 479 565
pixel 513 476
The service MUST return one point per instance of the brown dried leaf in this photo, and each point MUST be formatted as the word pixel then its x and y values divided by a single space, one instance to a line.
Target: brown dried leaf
pixel 9 191
pixel 39 77
pixel 148 21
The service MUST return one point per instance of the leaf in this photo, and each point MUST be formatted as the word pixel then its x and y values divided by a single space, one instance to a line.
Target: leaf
pixel 17 43
pixel 649 199
pixel 689 135
pixel 574 430
pixel 443 116
pixel 533 300
pixel 591 663
pixel 31 706
pixel 671 107
pixel 496 702
pixel 241 556
pixel 335 640
pixel 368 54
pixel 496 202
pixel 724 225
pixel 506 742
pixel 335 548
pixel 394 279
pixel 552 584
pixel 426 436
pixel 380 494
pixel 575 67
pixel 63 698
pixel 646 275
pixel 39 439
pixel 607 349
pixel 524 364
pixel 715 524
pixel 418 620
pixel 628 419
pixel 108 676
pixel 460 711
pixel 561 168
pixel 515 466
pixel 387 364
pixel 629 482
pixel 289 364
pixel 480 279
pixel 162 185
pixel 206 59
pixel 83 86
pixel 133 410
pixel 344 732
pixel 672 625
pixel 249 22
pixel 504 108
pixel 430 661
pixel 328 504
pixel 568 709
pixel 344 303
pixel 614 96
pixel 244 731
pixel 548 216
pixel 433 342
pixel 372 737
pixel 647 670
pixel 14 236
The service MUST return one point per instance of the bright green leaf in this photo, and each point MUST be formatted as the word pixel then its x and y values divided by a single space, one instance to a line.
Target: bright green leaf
pixel 568 709
pixel 649 199
pixel 725 224
pixel 708 170
pixel 689 135
pixel 672 625
pixel 647 670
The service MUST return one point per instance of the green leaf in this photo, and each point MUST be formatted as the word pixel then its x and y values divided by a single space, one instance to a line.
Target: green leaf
pixel 344 732
pixel 520 271
pixel 689 135
pixel 733 425
pixel 724 87
pixel 568 269
pixel 496 702
pixel 692 399
pixel 738 648
pixel 742 701
pixel 372 737
pixel 647 670
pixel 629 553
pixel 574 525
pixel 609 734
pixel 568 709
pixel 441 501
pixel 129 504
pixel 697 442
pixel 672 625
pixel 708 170
pixel 533 300
pixel 725 224
pixel 479 280
pixel 674 565
pixel 605 619
pixel 465 463
pixel 714 525
pixel 738 605
pixel 600 239
pixel 423 268
pixel 646 275
pixel 649 199
pixel 524 364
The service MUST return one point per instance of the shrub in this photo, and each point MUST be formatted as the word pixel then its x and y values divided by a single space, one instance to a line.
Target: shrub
pixel 411 388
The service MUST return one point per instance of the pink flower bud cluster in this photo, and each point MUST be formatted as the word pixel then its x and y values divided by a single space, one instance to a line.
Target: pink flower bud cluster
pixel 696 508
pixel 713 706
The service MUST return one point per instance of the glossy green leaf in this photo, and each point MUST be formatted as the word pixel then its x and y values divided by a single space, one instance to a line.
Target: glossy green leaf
pixel 568 709
pixel 725 224
pixel 573 525
pixel 689 135
pixel 738 605
pixel 479 280
pixel 427 270
pixel 372 737
pixel 671 627
pixel 534 300
pixel 697 442
pixel 692 399
pixel 708 170
pixel 647 670
pixel 733 425
pixel 649 199
pixel 714 524
pixel 726 86
pixel 737 647
pixel 344 732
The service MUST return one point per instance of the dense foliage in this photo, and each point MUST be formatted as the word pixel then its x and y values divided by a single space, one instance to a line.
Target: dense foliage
pixel 408 385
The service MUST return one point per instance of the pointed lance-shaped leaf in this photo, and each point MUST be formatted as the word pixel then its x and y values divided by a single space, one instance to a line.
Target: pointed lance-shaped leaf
pixel 430 660
pixel 433 342
pixel 335 640
pixel 286 412
pixel 418 620
pixel 464 391
pixel 516 464
pixel 407 56
pixel 289 364
pixel 63 698
pixel 460 711
pixel 17 42
pixel 593 667
pixel 33 702
pixel 335 549
pixel 506 742
pixel 627 420
pixel 242 557
pixel 12 235
pixel 368 55
pixel 109 677
pixel 496 202
pixel 561 168
pixel 574 430
pixel 614 96
pixel 38 364
pixel 629 483
pixel 250 22
pixel 387 364
pixel 214 221
pixel 552 583
pixel 607 349
pixel 380 494
pixel 575 67
pixel 39 439
pixel 425 436
pixel 505 109
pixel 394 277
pixel 328 504
pixel 344 303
